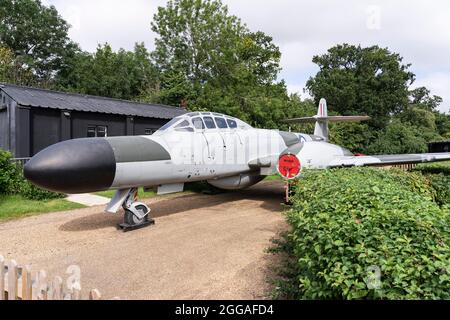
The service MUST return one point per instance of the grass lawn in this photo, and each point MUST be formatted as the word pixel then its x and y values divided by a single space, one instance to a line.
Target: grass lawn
pixel 273 177
pixel 16 206
pixel 142 194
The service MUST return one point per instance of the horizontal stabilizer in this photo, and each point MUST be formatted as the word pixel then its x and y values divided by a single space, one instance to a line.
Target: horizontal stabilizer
pixel 329 119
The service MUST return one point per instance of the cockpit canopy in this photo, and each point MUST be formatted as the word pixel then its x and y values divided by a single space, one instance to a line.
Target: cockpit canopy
pixel 194 121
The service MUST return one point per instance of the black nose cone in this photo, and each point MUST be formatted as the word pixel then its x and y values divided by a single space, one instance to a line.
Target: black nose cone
pixel 73 166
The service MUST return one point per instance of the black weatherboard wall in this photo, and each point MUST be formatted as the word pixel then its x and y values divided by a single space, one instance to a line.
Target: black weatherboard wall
pixel 439 146
pixel 32 119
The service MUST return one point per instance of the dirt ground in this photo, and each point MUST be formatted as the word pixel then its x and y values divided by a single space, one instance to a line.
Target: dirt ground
pixel 201 247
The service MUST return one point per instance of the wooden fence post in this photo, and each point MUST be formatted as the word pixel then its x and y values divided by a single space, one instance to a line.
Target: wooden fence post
pixel 57 288
pixel 2 278
pixel 76 291
pixel 94 295
pixel 18 283
pixel 13 276
pixel 42 285
pixel 26 283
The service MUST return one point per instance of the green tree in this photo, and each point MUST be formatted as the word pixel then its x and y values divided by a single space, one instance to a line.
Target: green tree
pixel 356 80
pixel 421 97
pixel 11 71
pixel 37 35
pixel 353 136
pixel 443 124
pixel 122 74
pixel 198 37
pixel 209 60
pixel 423 111
pixel 399 137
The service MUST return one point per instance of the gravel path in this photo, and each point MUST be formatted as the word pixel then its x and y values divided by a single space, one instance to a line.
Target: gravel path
pixel 201 247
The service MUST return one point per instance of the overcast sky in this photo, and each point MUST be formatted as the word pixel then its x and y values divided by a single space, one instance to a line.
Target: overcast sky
pixel 418 30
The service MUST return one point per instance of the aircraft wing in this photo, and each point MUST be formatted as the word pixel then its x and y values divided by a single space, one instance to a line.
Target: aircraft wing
pixel 388 159
pixel 327 118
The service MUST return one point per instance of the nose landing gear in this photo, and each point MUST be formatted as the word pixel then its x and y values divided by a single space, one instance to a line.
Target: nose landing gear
pixel 136 213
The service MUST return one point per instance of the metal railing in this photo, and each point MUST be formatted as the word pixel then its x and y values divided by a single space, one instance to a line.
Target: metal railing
pixel 20 161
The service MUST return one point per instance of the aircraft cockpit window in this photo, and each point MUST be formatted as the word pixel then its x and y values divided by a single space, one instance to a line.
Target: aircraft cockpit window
pixel 221 123
pixel 169 124
pixel 198 123
pixel 186 129
pixel 184 126
pixel 231 123
pixel 242 125
pixel 183 123
pixel 209 122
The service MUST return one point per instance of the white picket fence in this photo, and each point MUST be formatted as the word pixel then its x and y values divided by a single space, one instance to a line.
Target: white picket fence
pixel 18 283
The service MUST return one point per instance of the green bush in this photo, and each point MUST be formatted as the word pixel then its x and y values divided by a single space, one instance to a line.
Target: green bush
pixel 8 173
pixel 30 191
pixel 347 223
pixel 12 181
pixel 438 175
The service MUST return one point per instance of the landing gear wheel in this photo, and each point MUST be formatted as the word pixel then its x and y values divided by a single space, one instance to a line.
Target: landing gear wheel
pixel 131 219
pixel 136 214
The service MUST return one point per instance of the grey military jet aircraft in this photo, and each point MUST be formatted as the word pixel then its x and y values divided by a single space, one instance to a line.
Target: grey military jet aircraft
pixel 198 146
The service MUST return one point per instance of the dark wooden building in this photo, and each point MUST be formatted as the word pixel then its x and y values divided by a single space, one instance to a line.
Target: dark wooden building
pixel 32 119
pixel 439 146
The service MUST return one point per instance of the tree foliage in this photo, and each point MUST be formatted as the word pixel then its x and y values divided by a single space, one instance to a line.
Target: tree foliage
pixel 122 74
pixel 37 36
pixel 355 80
pixel 208 59
pixel 374 81
pixel 11 70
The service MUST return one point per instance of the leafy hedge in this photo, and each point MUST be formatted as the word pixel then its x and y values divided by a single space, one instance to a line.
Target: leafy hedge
pixel 439 176
pixel 8 173
pixel 350 224
pixel 12 181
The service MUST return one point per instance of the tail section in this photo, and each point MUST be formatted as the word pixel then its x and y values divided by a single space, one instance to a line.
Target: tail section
pixel 321 128
pixel 321 119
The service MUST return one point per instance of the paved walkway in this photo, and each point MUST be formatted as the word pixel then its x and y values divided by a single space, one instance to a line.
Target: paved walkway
pixel 88 199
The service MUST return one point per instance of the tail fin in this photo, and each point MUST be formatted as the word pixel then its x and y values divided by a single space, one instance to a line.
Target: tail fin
pixel 321 128
pixel 321 119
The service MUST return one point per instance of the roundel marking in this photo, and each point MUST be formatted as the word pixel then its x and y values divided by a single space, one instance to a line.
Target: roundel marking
pixel 289 166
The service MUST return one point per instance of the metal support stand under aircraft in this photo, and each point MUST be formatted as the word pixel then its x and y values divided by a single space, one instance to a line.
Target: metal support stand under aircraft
pixel 136 213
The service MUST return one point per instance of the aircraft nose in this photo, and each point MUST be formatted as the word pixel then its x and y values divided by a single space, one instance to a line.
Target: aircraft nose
pixel 73 166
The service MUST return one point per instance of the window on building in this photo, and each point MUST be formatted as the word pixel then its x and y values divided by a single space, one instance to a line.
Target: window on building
pixel 97 131
pixel 91 131
pixel 101 131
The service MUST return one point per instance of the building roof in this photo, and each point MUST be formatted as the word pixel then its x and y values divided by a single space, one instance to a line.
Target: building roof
pixel 42 98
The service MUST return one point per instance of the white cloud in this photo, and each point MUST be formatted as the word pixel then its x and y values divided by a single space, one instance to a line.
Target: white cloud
pixel 120 23
pixel 416 29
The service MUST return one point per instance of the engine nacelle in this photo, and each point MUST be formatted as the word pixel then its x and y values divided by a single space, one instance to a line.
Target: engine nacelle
pixel 239 181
